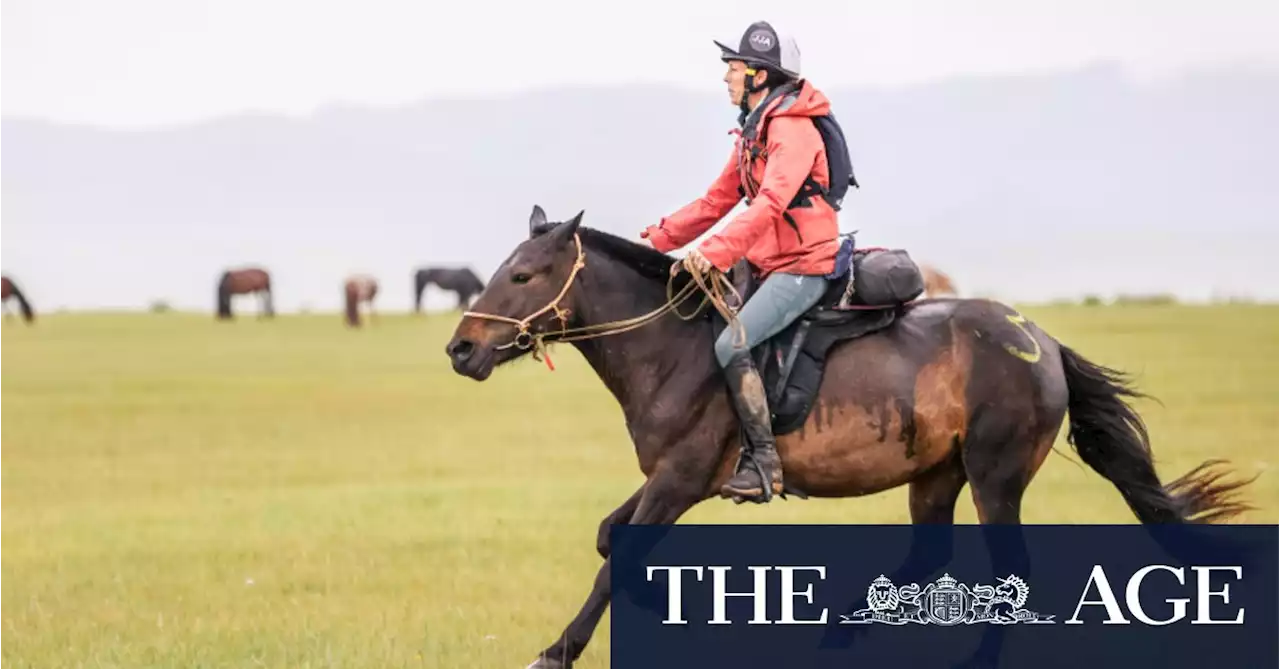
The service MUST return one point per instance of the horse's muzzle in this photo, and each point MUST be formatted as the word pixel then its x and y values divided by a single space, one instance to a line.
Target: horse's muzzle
pixel 470 359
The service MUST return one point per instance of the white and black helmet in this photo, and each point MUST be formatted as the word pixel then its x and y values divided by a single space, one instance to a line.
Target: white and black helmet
pixel 762 46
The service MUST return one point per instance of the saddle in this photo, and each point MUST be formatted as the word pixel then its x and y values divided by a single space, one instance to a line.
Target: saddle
pixel 866 294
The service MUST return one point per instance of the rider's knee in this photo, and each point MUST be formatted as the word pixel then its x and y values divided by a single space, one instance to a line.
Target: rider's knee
pixel 725 348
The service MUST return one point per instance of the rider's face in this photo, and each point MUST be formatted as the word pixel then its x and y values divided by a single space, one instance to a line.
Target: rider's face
pixel 735 77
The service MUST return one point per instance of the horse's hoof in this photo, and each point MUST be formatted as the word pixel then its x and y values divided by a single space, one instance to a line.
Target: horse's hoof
pixel 547 663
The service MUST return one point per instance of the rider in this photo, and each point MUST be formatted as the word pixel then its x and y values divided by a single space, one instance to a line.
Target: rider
pixel 788 233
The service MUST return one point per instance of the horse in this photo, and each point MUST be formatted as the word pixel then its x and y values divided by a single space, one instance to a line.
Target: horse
pixel 936 282
pixel 462 281
pixel 357 289
pixel 954 392
pixel 9 289
pixel 241 282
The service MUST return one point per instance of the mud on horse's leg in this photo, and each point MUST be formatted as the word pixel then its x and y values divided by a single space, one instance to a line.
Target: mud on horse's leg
pixel 658 502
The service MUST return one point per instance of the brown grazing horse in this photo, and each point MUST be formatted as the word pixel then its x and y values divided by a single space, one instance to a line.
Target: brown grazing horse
pixel 937 283
pixel 461 281
pixel 243 282
pixel 955 392
pixel 357 289
pixel 8 289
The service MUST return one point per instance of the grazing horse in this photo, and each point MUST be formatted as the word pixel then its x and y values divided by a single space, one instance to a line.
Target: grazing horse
pixel 954 392
pixel 241 282
pixel 9 289
pixel 462 281
pixel 357 289
pixel 937 283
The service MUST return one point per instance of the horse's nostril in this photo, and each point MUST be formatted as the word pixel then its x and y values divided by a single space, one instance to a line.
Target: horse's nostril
pixel 461 350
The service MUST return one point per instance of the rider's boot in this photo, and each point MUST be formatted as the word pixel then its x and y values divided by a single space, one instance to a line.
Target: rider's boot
pixel 759 461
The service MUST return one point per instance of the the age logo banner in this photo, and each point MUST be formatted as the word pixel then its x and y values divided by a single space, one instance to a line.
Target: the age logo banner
pixel 1038 596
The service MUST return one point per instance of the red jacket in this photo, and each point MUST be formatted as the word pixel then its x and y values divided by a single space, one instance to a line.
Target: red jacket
pixel 793 151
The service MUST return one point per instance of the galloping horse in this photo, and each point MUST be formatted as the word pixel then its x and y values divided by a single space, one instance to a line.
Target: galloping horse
pixel 9 289
pixel 937 283
pixel 954 392
pixel 241 282
pixel 462 281
pixel 357 289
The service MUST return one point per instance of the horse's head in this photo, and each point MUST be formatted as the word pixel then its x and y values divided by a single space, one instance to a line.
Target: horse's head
pixel 527 295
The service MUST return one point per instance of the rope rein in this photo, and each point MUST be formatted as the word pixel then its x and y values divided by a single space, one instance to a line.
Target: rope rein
pixel 713 285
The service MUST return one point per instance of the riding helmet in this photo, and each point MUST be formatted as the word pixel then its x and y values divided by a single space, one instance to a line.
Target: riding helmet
pixel 762 46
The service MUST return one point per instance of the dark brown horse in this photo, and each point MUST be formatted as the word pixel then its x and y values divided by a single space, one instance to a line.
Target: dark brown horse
pixel 8 289
pixel 461 281
pixel 955 392
pixel 358 289
pixel 248 280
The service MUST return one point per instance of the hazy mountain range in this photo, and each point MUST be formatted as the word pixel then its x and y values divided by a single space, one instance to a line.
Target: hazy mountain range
pixel 1026 188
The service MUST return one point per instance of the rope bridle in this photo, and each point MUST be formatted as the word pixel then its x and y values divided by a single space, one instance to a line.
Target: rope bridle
pixel 713 286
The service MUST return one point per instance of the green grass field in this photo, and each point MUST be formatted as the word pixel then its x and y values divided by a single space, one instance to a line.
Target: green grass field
pixel 183 493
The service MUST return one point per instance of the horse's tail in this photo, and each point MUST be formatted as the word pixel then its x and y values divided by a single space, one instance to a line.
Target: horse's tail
pixel 353 305
pixel 224 296
pixel 28 314
pixel 1111 438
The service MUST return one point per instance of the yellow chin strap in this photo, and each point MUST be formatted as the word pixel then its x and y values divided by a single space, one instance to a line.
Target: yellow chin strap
pixel 747 86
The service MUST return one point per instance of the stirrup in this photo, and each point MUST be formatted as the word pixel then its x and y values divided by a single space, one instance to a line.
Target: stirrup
pixel 766 482
pixel 786 493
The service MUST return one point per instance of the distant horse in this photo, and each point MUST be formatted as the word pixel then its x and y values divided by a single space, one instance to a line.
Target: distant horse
pixel 243 282
pixel 357 289
pixel 936 283
pixel 462 281
pixel 10 289
pixel 956 392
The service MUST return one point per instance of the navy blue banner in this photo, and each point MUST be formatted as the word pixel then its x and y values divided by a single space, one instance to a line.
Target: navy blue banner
pixel 939 596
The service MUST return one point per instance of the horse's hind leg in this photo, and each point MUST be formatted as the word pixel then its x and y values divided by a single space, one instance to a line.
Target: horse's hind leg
pixel 932 499
pixel 997 457
pixel 999 460
pixel 933 502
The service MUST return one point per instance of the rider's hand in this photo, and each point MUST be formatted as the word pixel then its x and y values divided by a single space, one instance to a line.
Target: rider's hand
pixel 697 263
pixel 644 234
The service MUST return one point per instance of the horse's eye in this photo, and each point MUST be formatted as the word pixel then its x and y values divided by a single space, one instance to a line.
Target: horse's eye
pixel 520 278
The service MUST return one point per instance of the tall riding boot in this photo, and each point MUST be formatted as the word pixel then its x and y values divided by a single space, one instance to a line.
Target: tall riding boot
pixel 760 461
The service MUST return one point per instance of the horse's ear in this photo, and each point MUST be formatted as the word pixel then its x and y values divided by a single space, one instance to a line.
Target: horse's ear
pixel 566 230
pixel 537 221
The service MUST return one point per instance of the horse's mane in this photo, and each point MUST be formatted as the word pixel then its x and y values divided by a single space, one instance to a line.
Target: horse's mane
pixel 646 260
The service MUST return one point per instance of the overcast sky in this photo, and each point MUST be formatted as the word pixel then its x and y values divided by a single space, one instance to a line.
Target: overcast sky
pixel 160 62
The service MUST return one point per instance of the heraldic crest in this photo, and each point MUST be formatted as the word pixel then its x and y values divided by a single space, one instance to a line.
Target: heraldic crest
pixel 946 602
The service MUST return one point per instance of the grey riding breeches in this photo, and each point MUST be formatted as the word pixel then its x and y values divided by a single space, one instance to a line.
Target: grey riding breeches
pixel 779 301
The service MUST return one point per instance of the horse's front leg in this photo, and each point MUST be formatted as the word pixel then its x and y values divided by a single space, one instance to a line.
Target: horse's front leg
pixel 661 501
pixel 620 516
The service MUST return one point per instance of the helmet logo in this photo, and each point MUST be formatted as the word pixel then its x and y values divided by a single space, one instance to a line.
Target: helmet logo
pixel 760 40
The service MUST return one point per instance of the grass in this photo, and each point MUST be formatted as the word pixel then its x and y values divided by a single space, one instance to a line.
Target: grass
pixel 183 493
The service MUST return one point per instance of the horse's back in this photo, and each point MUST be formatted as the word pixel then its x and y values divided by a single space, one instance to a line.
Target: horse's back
pixel 452 278
pixel 898 402
pixel 246 279
pixel 981 349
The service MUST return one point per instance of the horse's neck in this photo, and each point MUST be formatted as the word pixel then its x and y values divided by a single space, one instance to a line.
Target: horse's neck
pixel 640 365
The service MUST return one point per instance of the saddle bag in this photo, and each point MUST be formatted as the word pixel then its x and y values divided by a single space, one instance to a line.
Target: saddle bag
pixel 885 277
